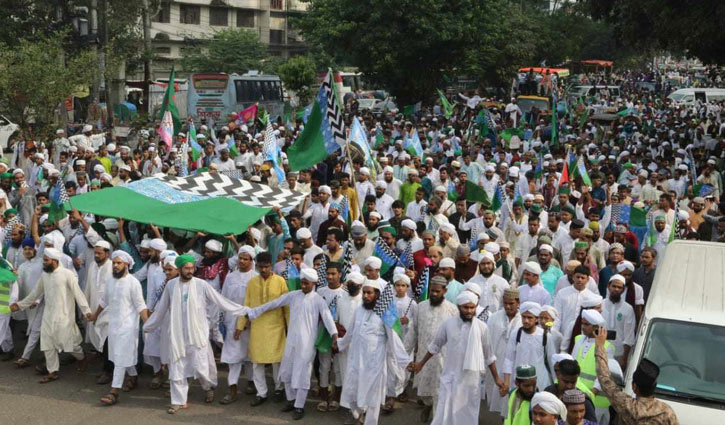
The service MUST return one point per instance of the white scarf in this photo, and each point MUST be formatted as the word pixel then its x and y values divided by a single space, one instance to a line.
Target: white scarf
pixel 196 324
pixel 473 359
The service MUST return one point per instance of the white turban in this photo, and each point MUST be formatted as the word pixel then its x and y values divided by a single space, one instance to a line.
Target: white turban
pixel 408 224
pixel 532 267
pixel 594 317
pixel 466 297
pixel 372 283
pixel 381 184
pixel 145 243
pixel 546 247
pixel 487 256
pixel 440 189
pixel 448 228
pixel 618 277
pixel 110 224
pixel 246 249
pixel 531 307
pixel 625 265
pixel 551 310
pixel 556 358
pixel 256 233
pixel 401 277
pixel 87 128
pixel 365 171
pixel 355 277
pixel 472 287
pixel 591 300
pixel 304 233
pixel 123 255
pixel 492 247
pixel 52 253
pixel 447 263
pixel 213 245
pixel 309 274
pixel 55 239
pixel 103 244
pixel 170 261
pixel 550 403
pixel 325 189
pixel 157 244
pixel 683 215
pixel 374 262
pixel 376 215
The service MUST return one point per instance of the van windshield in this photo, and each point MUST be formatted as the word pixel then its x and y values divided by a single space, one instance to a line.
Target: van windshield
pixel 690 359
pixel 677 97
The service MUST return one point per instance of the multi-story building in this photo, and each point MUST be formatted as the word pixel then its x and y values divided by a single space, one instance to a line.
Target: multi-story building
pixel 180 22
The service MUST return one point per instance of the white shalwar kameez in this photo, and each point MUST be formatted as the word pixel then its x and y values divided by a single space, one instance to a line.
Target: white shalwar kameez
pixel 190 355
pixel 306 310
pixel 155 347
pixel 28 276
pixel 530 350
pixel 6 334
pixel 406 307
pixel 468 354
pixel 492 289
pixel 234 352
pixel 369 342
pixel 123 301
pixel 501 330
pixel 346 307
pixel 96 279
pixel 58 331
pixel 329 361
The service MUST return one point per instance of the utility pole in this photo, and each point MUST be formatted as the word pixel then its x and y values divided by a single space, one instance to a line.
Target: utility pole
pixel 147 56
pixel 103 41
pixel 93 37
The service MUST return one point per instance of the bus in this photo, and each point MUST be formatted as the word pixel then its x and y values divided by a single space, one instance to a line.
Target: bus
pixel 215 96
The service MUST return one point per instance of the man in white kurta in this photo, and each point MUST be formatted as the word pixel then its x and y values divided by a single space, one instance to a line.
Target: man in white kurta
pixel 620 317
pixel 99 272
pixel 306 309
pixel 234 350
pixel 492 285
pixel 185 301
pixel 156 343
pixel 568 303
pixel 369 342
pixel 468 354
pixel 330 362
pixel 430 315
pixel 29 274
pixel 58 332
pixel 501 325
pixel 346 307
pixel 123 301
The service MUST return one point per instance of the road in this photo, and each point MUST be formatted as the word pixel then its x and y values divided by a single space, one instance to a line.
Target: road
pixel 74 400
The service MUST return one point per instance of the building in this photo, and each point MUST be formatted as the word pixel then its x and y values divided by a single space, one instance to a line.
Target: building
pixel 180 22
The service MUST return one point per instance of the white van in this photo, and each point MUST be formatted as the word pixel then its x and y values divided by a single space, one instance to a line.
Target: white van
pixel 683 332
pixel 609 92
pixel 689 96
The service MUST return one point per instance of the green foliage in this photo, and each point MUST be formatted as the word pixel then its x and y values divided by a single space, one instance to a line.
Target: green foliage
pixel 229 50
pixel 33 80
pixel 298 74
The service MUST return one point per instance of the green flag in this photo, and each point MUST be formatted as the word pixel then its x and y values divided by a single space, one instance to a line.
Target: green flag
pixel 446 105
pixel 408 110
pixel 169 104
pixel 309 149
pixel 554 129
pixel 475 193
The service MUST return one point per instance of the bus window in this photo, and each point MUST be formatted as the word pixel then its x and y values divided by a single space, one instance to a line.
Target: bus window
pixel 700 96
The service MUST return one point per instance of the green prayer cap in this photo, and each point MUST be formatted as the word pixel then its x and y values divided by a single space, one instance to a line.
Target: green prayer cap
pixel 628 165
pixel 10 211
pixel 569 209
pixel 581 245
pixel 6 175
pixel 525 371
pixel 95 182
pixel 519 202
pixel 564 190
pixel 536 209
pixel 660 218
pixel 389 229
pixel 181 260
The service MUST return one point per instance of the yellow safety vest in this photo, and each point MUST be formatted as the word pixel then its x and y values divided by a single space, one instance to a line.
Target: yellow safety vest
pixel 5 297
pixel 588 375
pixel 522 415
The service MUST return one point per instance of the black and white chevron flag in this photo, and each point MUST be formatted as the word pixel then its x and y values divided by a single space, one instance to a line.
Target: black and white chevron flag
pixel 217 185
pixel 334 111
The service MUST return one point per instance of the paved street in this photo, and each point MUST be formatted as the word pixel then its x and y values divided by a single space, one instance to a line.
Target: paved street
pixel 73 400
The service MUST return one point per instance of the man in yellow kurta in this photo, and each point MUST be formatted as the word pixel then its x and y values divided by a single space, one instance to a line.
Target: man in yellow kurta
pixel 268 332
pixel 351 194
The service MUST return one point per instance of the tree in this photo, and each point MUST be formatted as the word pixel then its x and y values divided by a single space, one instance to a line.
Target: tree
pixel 34 79
pixel 689 27
pixel 298 75
pixel 229 50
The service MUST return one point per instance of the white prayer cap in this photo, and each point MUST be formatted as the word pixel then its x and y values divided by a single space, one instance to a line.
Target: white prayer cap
pixel 401 278
pixel 355 277
pixel 625 265
pixel 447 263
pixel 492 247
pixel 213 245
pixel 514 171
pixel 125 168
pixel 372 283
pixel 111 147
pixel 145 243
pixel 490 168
pixel 303 233
pixel 246 249
pixel 167 253
pixel 440 189
pixel 201 136
pixel 110 224
pixel 18 171
pixel 106 176
pixel 408 224
pixel 529 197
pixel 412 172
pixel 553 312
pixel 556 358
pixel 532 267
pixel 466 297
pixel 53 173
pixel 123 256
pixel 103 244
pixel 644 173
pixel 455 164
pixel 374 262
pixel 52 253
pixel 381 184
pixel 483 236
pixel 59 131
pixel 309 274
pixel 239 164
pixel 325 189
pixel 487 256
pixel 54 238
pixel 591 300
pixel 594 317
pixel 683 215
pixel 170 261
pixel 388 169
pixel 157 244
pixel 549 403
pixel 365 171
pixel 376 215
pixel 617 277
pixel 87 128
pixel 100 168
pixel 530 307
pixel 448 228
pixel 546 247
pixel 256 234
pixel 472 287
pixel 81 162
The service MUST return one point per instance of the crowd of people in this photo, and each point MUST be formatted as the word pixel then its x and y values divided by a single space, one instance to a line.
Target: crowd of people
pixel 505 299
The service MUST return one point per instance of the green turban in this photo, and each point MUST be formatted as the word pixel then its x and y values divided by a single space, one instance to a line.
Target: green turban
pixel 10 211
pixel 563 189
pixel 5 175
pixel 389 229
pixel 181 260
pixel 581 245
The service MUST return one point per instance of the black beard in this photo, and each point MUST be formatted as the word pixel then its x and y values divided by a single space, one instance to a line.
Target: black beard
pixel 379 195
pixel 526 397
pixel 486 275
pixel 48 268
pixel 353 289
pixel 369 305
pixel 120 274
pixel 615 298
pixel 436 301
pixel 463 317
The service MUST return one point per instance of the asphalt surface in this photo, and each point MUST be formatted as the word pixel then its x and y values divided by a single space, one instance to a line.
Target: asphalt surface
pixel 74 400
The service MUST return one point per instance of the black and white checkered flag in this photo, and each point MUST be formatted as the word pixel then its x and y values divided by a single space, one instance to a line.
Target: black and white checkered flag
pixel 422 282
pixel 386 298
pixel 334 111
pixel 8 229
pixel 322 273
